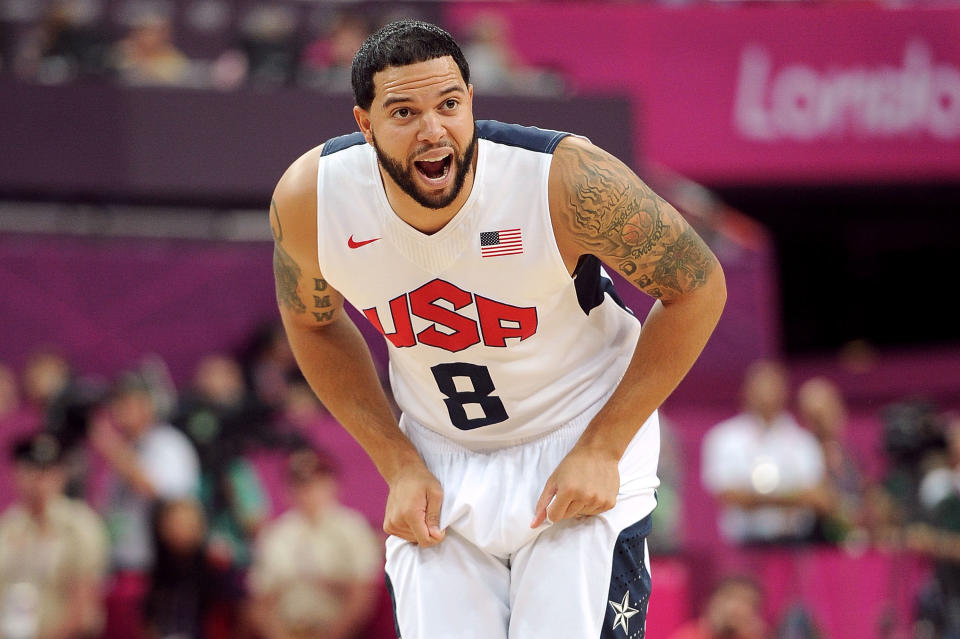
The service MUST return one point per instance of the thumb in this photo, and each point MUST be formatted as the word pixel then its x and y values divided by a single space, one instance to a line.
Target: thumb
pixel 432 515
pixel 540 512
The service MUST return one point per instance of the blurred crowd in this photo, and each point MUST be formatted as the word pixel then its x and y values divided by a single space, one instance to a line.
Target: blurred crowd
pixel 784 475
pixel 224 44
pixel 129 510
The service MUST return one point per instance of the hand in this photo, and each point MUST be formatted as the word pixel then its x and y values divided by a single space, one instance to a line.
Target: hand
pixel 104 438
pixel 413 506
pixel 585 483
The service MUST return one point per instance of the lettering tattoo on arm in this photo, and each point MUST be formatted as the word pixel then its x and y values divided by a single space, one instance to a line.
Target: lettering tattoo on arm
pixel 613 214
pixel 321 301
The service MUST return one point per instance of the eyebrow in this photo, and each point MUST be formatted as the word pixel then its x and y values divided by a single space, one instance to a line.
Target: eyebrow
pixel 394 100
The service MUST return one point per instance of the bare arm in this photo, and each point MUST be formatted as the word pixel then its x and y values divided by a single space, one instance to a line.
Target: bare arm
pixel 121 456
pixel 600 207
pixel 335 359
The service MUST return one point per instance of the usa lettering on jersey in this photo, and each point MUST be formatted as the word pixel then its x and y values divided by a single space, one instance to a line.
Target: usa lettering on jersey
pixel 497 322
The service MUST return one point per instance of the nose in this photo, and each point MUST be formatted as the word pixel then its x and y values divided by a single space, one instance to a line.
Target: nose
pixel 431 130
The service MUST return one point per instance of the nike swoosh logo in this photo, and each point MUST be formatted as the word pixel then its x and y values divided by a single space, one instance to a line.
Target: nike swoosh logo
pixel 354 244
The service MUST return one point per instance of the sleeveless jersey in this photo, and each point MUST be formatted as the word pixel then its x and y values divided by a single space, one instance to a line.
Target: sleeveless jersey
pixel 491 341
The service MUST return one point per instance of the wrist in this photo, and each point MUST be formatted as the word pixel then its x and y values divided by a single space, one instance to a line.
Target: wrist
pixel 602 444
pixel 399 458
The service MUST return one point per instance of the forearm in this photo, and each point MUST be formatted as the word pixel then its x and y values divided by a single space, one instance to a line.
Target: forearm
pixel 124 462
pixel 337 364
pixel 672 338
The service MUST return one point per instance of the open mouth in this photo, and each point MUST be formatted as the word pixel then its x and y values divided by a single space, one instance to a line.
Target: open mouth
pixel 435 170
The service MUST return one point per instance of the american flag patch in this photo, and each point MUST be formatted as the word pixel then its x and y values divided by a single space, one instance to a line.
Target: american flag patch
pixel 494 243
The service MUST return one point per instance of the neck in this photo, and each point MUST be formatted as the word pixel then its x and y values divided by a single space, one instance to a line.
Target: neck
pixel 424 219
pixel 38 511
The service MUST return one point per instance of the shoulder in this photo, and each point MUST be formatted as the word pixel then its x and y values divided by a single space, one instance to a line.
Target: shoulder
pixel 12 517
pixel 738 423
pixel 733 431
pixel 530 138
pixel 279 530
pixel 165 435
pixel 80 513
pixel 300 178
pixel 87 527
pixel 351 521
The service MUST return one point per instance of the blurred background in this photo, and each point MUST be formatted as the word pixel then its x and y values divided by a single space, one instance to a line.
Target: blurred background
pixel 164 470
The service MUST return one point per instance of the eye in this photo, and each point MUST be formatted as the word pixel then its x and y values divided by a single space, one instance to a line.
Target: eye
pixel 402 113
pixel 451 103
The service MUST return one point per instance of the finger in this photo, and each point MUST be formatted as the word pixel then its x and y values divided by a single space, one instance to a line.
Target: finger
pixel 558 509
pixel 540 511
pixel 432 517
pixel 416 521
pixel 574 508
pixel 403 532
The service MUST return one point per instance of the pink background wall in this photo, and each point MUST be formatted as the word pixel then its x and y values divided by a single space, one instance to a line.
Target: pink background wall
pixel 763 93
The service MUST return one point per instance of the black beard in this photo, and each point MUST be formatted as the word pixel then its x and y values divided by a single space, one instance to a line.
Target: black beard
pixel 403 176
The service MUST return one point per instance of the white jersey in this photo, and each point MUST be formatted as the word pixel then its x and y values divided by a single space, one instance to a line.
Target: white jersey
pixel 491 341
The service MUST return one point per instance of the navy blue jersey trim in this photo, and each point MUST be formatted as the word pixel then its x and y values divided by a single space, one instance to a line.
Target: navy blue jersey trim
pixel 342 142
pixel 592 286
pixel 525 137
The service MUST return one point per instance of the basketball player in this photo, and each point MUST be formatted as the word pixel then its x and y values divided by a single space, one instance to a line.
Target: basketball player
pixel 522 471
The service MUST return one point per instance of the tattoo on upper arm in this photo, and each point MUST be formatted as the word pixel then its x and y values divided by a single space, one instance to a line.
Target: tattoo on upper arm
pixel 287 276
pixel 275 221
pixel 613 214
pixel 286 272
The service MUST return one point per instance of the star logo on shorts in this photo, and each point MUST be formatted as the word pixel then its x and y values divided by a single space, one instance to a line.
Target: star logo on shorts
pixel 623 612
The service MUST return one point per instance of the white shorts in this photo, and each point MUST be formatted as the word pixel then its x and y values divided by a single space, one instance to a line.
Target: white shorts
pixel 493 577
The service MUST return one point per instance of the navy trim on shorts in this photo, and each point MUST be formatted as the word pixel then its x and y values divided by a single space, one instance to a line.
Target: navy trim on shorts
pixel 626 609
pixel 393 604
pixel 342 142
pixel 591 285
pixel 525 137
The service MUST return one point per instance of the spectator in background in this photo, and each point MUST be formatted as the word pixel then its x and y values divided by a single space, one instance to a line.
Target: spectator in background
pixel 733 611
pixel 222 422
pixel 14 423
pixel 9 393
pixel 317 567
pixel 823 411
pixel 495 66
pixel 46 375
pixel 150 460
pixel 184 582
pixel 65 44
pixel 269 366
pixel 327 62
pixel 53 551
pixel 938 537
pixel 147 56
pixel 268 42
pixel 767 471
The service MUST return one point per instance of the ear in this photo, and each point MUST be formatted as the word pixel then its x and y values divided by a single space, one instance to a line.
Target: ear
pixel 363 121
